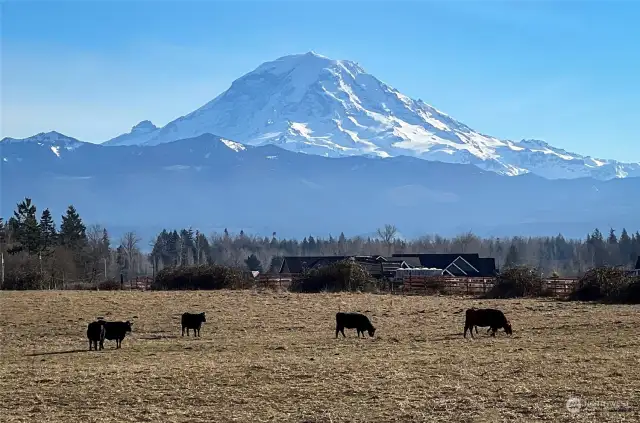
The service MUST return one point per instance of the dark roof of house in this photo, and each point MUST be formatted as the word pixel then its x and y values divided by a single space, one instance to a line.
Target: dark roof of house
pixel 638 263
pixel 485 266
pixel 441 261
pixel 294 264
pixel 411 261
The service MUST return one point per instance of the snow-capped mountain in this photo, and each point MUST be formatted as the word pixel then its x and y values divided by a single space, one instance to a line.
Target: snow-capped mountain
pixel 312 104
pixel 50 142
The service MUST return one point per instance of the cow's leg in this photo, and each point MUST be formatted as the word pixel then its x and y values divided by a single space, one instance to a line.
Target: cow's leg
pixel 183 331
pixel 337 331
pixel 343 335
pixel 493 331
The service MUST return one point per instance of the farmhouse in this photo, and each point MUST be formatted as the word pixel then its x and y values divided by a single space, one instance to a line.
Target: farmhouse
pixel 377 266
pixel 460 265
pixel 471 265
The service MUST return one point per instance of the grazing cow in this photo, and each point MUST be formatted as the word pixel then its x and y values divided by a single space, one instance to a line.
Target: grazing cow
pixel 493 318
pixel 192 321
pixel 96 334
pixel 117 331
pixel 357 321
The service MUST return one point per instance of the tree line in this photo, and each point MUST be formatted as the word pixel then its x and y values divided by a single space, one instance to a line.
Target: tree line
pixel 551 255
pixel 38 254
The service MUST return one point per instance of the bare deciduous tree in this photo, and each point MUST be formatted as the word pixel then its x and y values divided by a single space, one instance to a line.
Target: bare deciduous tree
pixel 388 236
pixel 96 253
pixel 129 243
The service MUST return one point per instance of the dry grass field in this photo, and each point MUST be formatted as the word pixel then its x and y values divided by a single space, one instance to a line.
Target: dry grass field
pixel 273 357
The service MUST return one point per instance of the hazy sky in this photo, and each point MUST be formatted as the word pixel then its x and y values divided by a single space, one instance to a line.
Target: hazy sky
pixel 567 72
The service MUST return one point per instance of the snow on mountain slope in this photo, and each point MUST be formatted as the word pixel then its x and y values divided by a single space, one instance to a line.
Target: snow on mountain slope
pixel 312 104
pixel 140 134
pixel 54 142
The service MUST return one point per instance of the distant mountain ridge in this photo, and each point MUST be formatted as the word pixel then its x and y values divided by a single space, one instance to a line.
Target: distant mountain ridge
pixel 211 182
pixel 312 104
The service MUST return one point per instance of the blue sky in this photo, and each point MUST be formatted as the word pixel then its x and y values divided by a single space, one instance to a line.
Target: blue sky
pixel 567 72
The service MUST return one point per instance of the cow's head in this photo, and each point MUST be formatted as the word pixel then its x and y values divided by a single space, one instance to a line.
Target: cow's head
pixel 202 318
pixel 507 328
pixel 371 331
pixel 128 326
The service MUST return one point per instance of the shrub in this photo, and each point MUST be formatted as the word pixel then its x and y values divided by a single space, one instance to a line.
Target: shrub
pixel 200 277
pixel 23 274
pixel 630 294
pixel 109 285
pixel 345 275
pixel 516 282
pixel 608 284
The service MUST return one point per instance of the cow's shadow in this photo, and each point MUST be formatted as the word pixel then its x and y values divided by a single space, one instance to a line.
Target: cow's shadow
pixel 56 353
pixel 447 337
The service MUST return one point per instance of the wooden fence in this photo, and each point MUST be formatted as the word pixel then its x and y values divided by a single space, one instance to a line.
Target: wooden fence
pixel 426 285
pixel 469 286
pixel 275 281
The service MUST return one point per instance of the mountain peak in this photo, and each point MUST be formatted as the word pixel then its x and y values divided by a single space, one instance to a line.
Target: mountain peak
pixel 51 137
pixel 310 103
pixel 144 126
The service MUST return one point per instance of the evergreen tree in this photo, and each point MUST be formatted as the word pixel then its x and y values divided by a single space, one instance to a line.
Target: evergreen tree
pixel 173 247
pixel 276 263
pixel 597 248
pixel 342 244
pixel 26 226
pixel 48 233
pixel 253 263
pixel 513 258
pixel 72 230
pixel 313 246
pixel 187 246
pixel 613 239
pixel 121 258
pixel 625 244
pixel 106 243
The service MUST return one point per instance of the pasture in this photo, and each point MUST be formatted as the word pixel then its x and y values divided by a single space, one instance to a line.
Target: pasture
pixel 267 356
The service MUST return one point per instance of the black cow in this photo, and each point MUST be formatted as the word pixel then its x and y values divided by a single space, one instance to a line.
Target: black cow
pixel 192 321
pixel 493 318
pixel 117 331
pixel 96 334
pixel 357 321
pixel 476 326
